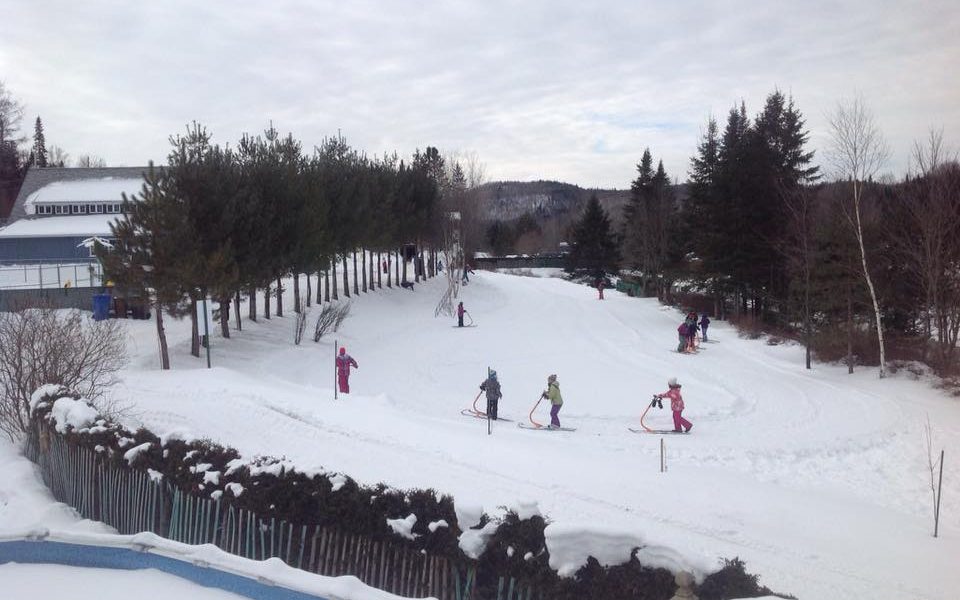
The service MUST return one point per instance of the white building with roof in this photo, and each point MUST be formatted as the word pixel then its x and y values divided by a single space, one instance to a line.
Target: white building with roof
pixel 57 209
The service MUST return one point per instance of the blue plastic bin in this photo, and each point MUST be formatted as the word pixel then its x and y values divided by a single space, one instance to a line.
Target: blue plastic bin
pixel 101 307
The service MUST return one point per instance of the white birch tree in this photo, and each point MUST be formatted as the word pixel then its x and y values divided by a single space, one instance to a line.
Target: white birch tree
pixel 856 152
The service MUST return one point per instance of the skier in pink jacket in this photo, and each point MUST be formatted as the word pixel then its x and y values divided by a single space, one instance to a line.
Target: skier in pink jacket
pixel 676 405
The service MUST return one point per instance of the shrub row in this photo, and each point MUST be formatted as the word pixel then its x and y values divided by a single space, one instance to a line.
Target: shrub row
pixel 272 488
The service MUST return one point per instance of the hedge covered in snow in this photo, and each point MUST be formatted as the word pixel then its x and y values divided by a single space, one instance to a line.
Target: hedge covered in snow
pixel 515 546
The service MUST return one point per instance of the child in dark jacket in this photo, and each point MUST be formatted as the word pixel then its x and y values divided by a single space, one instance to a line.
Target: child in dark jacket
pixel 492 387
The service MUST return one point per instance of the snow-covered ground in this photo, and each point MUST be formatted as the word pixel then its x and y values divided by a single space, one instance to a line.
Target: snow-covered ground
pixel 817 479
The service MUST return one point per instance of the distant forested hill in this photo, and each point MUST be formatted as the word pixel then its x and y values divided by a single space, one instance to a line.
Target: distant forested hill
pixel 533 216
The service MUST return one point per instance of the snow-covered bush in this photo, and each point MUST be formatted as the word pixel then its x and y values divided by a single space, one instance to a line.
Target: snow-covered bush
pixel 271 488
pixel 44 346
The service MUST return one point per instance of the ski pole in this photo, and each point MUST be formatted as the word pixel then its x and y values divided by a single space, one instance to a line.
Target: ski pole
pixel 535 408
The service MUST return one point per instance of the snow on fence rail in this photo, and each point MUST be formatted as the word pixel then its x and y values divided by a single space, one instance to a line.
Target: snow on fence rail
pixel 133 502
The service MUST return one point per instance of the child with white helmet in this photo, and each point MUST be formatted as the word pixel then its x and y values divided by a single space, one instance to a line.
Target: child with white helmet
pixel 676 405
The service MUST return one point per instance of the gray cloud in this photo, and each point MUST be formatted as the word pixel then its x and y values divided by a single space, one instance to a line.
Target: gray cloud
pixel 554 90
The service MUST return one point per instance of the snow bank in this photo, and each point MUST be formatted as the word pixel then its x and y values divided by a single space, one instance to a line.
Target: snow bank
pixel 474 541
pixel 526 509
pixel 67 413
pixel 404 527
pixel 468 515
pixel 435 525
pixel 43 392
pixel 570 546
pixel 132 454
pixel 338 482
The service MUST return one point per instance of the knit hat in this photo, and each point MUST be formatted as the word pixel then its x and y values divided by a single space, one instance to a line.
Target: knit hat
pixel 343 350
pixel 672 382
pixel 493 374
pixel 551 378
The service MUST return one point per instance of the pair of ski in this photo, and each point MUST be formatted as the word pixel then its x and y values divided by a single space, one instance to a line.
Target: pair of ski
pixel 656 402
pixel 479 414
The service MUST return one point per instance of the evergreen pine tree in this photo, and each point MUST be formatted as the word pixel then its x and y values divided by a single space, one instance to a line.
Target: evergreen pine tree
pixel 594 247
pixel 39 145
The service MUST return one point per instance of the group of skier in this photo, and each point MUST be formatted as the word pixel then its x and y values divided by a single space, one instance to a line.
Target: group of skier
pixel 687 332
pixel 491 387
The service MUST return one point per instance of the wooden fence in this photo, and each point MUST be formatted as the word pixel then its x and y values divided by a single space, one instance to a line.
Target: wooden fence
pixel 132 501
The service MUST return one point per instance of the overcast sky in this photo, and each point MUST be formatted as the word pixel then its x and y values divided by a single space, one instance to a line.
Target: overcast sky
pixel 572 91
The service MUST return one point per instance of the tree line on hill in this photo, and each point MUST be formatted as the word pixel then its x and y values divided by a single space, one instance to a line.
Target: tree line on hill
pixel 225 223
pixel 850 265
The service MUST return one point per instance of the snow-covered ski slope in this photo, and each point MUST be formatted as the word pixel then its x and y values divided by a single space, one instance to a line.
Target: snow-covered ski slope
pixel 817 479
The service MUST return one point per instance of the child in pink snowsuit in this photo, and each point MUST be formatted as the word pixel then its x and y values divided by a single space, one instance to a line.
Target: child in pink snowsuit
pixel 676 405
pixel 344 362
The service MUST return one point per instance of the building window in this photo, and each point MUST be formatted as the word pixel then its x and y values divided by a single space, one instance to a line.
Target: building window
pixel 57 209
pixel 116 208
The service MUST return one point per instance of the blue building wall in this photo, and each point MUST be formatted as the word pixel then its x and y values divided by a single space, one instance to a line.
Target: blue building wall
pixel 81 555
pixel 46 249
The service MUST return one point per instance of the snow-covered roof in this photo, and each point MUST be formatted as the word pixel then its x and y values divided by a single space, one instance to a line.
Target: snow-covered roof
pixel 106 189
pixel 39 178
pixel 69 226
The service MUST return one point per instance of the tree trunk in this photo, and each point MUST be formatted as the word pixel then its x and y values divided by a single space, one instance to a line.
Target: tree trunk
pixel 236 299
pixel 326 286
pixel 266 302
pixel 194 330
pixel 252 299
pixel 807 321
pixel 389 272
pixel 363 267
pixel 224 317
pixel 857 192
pixel 356 286
pixel 372 266
pixel 346 278
pixel 849 330
pixel 396 268
pixel 279 298
pixel 335 284
pixel 162 338
pixel 404 258
pixel 310 289
pixel 296 291
pixel 379 270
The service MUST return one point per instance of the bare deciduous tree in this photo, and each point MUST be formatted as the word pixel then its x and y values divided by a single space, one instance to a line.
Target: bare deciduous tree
pixel 57 157
pixel 931 244
pixel 800 252
pixel 89 161
pixel 42 345
pixel 11 113
pixel 857 151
